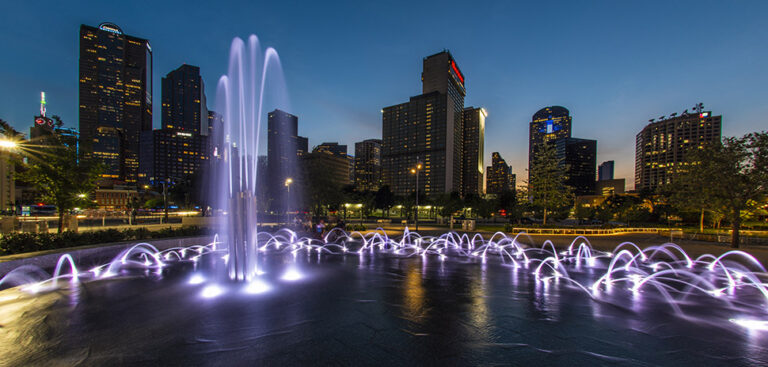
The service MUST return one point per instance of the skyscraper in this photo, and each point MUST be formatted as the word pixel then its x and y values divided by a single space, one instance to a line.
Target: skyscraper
pixel 184 102
pixel 368 165
pixel 474 145
pixel 332 148
pixel 547 124
pixel 115 98
pixel 661 147
pixel 284 146
pixel 338 151
pixel 181 147
pixel 579 157
pixel 428 130
pixel 605 171
pixel 499 176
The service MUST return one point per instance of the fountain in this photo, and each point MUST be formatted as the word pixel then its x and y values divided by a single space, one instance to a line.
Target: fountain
pixel 240 97
pixel 412 299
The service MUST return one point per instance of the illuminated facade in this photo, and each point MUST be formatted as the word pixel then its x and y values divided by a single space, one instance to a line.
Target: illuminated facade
pixel 117 198
pixel 180 148
pixel 474 145
pixel 547 125
pixel 610 187
pixel 428 130
pixel 368 165
pixel 661 147
pixel 115 97
pixel 499 177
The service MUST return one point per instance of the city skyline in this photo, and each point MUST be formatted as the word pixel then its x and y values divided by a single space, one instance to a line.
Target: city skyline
pixel 585 72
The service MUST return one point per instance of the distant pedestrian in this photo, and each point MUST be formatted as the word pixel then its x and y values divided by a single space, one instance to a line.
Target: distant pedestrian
pixel 320 229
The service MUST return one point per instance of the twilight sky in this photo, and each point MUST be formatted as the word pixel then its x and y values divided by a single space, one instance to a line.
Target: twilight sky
pixel 613 64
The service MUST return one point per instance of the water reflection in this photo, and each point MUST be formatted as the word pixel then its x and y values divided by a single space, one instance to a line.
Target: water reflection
pixel 413 294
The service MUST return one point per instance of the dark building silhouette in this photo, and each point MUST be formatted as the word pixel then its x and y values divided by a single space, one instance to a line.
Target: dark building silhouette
pixel 474 146
pixel 336 165
pixel 428 130
pixel 184 102
pixel 115 97
pixel 284 147
pixel 661 147
pixel 579 156
pixel 553 125
pixel 368 165
pixel 338 151
pixel 499 176
pixel 181 147
pixel 547 125
pixel 605 171
pixel 332 148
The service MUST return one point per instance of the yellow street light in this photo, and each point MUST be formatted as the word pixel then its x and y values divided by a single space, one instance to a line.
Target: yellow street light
pixel 81 196
pixel 8 144
pixel 288 181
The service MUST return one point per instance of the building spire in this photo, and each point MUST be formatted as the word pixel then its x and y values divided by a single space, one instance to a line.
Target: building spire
pixel 42 104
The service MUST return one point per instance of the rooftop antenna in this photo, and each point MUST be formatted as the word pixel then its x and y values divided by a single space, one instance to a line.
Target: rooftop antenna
pixel 698 107
pixel 42 104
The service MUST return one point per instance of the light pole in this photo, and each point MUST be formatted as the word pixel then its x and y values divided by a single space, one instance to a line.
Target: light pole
pixel 7 146
pixel 360 209
pixel 165 197
pixel 288 182
pixel 416 172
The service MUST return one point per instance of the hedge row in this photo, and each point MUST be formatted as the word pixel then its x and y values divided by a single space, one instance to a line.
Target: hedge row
pixel 15 243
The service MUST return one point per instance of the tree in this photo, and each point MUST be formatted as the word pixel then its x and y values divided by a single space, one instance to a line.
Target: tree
pixel 547 183
pixel 320 188
pixel 583 212
pixel 59 175
pixel 733 174
pixel 507 201
pixel 384 199
pixel 686 193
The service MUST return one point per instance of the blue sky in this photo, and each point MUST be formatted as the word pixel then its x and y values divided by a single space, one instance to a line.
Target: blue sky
pixel 614 64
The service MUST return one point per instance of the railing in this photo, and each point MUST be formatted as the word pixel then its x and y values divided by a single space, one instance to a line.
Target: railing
pixel 588 231
pixel 756 238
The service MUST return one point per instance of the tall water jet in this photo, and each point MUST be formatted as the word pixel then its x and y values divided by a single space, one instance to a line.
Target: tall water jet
pixel 240 99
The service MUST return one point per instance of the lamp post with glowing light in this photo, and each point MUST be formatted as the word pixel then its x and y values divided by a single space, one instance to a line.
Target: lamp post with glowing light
pixel 8 144
pixel 416 171
pixel 287 184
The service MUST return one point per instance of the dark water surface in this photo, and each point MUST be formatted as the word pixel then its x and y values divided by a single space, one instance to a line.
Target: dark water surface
pixel 349 310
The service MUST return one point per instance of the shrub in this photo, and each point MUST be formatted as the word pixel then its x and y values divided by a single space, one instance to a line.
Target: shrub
pixel 14 243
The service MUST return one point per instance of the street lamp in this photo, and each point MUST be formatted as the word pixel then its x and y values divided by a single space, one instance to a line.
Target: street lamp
pixel 360 209
pixel 287 184
pixel 8 144
pixel 416 172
